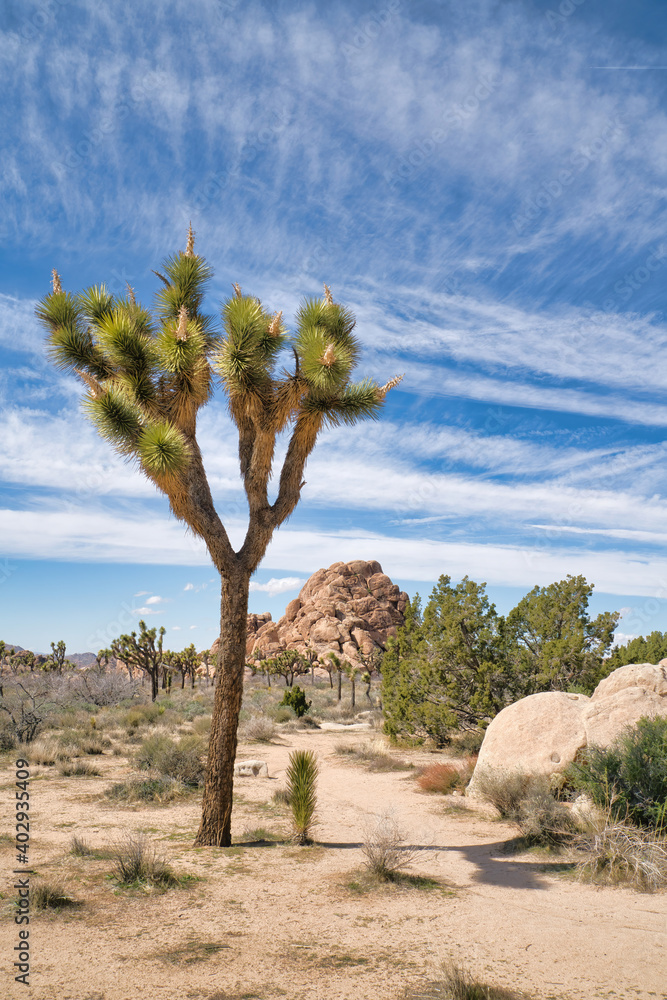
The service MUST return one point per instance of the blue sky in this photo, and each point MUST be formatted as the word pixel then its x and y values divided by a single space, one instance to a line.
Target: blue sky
pixel 483 183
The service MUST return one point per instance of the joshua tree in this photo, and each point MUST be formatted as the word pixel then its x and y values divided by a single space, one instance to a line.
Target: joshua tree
pixel 146 378
pixel 205 657
pixel 288 664
pixel 102 659
pixel 351 670
pixel 186 662
pixel 143 652
pixel 57 659
pixel 313 658
pixel 335 662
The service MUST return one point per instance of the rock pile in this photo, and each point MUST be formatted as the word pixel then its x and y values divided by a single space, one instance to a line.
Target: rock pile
pixel 541 734
pixel 349 609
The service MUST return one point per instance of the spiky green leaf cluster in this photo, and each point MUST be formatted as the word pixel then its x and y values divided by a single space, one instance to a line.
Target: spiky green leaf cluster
pixel 302 771
pixel 146 379
pixel 148 375
pixel 248 353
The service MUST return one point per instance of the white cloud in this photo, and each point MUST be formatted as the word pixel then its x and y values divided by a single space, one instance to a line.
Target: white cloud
pixel 158 600
pixel 176 628
pixel 94 537
pixel 189 586
pixel 194 626
pixel 623 638
pixel 142 593
pixel 277 585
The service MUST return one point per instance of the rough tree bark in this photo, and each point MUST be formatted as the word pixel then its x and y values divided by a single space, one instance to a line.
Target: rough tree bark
pixel 215 827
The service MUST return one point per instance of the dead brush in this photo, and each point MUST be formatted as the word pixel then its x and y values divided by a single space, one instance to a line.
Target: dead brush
pixel 79 847
pixel 443 779
pixel 257 729
pixel 620 854
pixel 137 864
pixel 526 801
pixel 385 849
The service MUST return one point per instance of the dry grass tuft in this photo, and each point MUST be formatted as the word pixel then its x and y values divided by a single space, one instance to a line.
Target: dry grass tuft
pixel 373 757
pixel 457 984
pixel 257 729
pixel 137 864
pixel 49 896
pixel 620 854
pixel 78 769
pixel 79 847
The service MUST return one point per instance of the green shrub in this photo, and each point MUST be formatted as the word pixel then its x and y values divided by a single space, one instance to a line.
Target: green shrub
pixel 182 760
pixel 193 710
pixel 295 699
pixel 468 742
pixel 630 776
pixel 142 715
pixel 301 774
pixel 282 713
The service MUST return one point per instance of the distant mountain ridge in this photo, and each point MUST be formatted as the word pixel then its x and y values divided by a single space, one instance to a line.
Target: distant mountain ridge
pixel 78 659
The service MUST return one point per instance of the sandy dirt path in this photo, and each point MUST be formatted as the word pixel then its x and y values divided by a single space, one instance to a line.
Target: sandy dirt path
pixel 280 921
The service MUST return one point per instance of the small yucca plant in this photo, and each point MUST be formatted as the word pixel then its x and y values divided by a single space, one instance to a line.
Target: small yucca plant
pixel 302 774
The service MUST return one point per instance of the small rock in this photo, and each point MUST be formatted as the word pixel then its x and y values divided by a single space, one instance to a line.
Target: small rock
pixel 251 769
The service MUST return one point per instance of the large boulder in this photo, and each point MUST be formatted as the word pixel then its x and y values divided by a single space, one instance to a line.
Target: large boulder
pixel 624 697
pixel 541 734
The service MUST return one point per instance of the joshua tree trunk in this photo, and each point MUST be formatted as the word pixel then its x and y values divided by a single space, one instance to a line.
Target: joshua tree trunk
pixel 215 826
pixel 340 684
pixel 354 699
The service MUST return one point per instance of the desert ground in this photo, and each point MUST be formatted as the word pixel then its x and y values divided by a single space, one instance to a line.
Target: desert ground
pixel 266 919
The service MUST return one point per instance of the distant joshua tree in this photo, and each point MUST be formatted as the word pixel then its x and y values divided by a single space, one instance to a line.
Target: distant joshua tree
pixel 146 378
